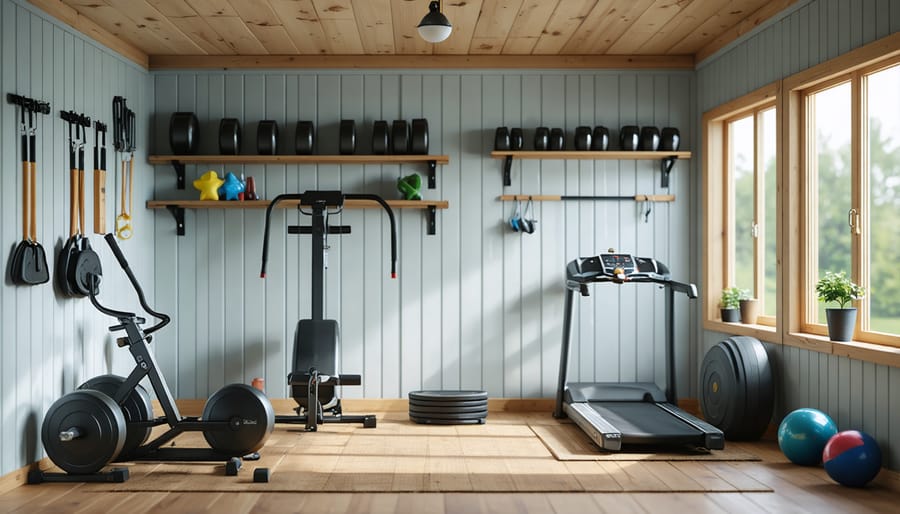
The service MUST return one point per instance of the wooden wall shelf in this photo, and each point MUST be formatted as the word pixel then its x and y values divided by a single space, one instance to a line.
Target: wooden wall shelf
pixel 667 159
pixel 178 161
pixel 177 207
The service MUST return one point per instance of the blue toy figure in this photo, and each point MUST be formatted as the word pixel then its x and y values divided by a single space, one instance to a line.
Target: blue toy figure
pixel 802 436
pixel 231 188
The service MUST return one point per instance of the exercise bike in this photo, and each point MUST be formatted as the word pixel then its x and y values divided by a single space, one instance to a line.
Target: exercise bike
pixel 109 418
pixel 313 380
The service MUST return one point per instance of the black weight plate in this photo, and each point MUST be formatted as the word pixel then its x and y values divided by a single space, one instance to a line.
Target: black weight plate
pixel 137 407
pixel 305 138
pixel 102 427
pixel 419 142
pixel 448 395
pixel 229 136
pixel 557 139
pixel 600 139
pixel 649 139
pixel 400 137
pixel 502 139
pixel 516 139
pixel 347 143
pixel 380 139
pixel 741 401
pixel 629 138
pixel 434 409
pixel 719 389
pixel 583 138
pixel 267 137
pixel 541 138
pixel 251 413
pixel 434 421
pixel 183 133
pixel 669 139
pixel 759 386
pixel 445 404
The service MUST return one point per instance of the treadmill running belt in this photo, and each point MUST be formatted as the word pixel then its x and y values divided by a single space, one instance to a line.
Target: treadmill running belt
pixel 645 423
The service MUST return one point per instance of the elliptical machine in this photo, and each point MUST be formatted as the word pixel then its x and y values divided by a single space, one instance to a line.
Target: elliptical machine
pixel 313 380
pixel 109 418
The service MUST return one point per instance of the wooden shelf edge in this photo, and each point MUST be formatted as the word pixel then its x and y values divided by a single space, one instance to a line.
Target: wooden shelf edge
pixel 262 204
pixel 297 159
pixel 595 155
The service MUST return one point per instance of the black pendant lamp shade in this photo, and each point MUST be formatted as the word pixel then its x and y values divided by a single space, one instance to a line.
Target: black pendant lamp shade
pixel 434 27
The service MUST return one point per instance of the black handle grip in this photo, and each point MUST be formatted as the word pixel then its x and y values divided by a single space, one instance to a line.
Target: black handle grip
pixel 114 246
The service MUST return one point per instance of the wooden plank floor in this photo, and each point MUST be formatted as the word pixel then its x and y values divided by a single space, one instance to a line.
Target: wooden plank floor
pixel 770 485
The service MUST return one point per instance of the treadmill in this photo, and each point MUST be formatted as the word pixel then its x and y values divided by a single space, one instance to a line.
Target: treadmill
pixel 637 414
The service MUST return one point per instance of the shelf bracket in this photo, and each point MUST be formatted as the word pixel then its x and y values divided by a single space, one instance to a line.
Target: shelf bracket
pixel 432 222
pixel 179 174
pixel 432 174
pixel 507 167
pixel 178 214
pixel 666 165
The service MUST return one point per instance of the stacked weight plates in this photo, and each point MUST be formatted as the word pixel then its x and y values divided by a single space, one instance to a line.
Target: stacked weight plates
pixel 448 407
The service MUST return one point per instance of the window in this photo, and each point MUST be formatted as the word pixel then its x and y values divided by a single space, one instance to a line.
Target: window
pixel 851 142
pixel 741 178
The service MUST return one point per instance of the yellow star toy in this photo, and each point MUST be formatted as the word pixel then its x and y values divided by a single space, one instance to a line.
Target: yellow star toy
pixel 209 185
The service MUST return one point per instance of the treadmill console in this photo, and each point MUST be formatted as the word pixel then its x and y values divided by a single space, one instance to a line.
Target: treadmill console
pixel 616 267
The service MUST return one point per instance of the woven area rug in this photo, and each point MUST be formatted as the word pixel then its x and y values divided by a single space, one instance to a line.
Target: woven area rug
pixel 505 455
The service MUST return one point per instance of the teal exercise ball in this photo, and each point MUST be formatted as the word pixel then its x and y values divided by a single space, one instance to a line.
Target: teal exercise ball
pixel 803 434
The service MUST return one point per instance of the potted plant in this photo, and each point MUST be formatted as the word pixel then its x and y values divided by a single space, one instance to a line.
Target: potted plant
pixel 729 305
pixel 749 308
pixel 838 288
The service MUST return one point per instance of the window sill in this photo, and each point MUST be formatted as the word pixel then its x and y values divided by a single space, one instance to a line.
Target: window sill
pixel 867 352
pixel 761 332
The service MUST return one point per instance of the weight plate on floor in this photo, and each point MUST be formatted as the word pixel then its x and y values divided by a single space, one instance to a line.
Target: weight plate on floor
pixel 435 421
pixel 759 388
pixel 721 390
pixel 137 407
pixel 251 416
pixel 229 136
pixel 450 415
pixel 100 427
pixel 448 395
pixel 437 409
pixel 472 403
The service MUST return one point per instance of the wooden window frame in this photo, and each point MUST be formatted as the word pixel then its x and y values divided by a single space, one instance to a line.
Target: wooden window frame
pixel 718 189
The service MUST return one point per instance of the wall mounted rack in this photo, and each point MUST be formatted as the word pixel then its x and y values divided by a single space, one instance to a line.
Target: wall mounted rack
pixel 667 159
pixel 178 161
pixel 177 207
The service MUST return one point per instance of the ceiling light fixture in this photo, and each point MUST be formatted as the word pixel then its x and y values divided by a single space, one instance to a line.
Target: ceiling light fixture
pixel 434 27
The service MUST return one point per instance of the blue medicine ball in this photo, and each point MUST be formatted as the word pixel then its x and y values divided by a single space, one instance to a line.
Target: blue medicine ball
pixel 803 434
pixel 852 458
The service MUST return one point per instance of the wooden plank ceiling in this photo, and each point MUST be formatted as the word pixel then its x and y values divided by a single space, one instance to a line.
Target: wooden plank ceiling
pixel 547 28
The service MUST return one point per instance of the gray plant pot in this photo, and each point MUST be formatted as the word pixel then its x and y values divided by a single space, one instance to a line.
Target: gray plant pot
pixel 731 315
pixel 841 323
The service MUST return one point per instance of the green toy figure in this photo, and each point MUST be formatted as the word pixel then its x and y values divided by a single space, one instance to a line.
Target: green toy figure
pixel 410 187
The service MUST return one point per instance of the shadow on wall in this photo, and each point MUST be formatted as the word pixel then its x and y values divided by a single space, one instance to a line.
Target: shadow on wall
pixel 30 438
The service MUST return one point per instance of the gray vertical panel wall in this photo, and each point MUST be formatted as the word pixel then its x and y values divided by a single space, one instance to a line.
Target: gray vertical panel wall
pixel 50 344
pixel 856 394
pixel 476 305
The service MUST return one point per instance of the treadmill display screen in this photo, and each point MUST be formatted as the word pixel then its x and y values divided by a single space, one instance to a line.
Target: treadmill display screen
pixel 612 261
